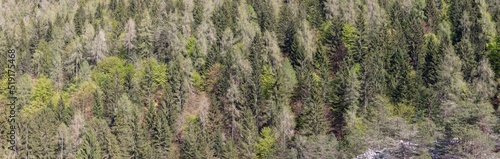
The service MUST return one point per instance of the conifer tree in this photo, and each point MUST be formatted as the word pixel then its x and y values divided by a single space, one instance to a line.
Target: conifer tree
pixel 79 20
pixel 124 126
pixel 194 143
pixel 266 144
pixel 145 41
pixel 42 141
pixel 161 134
pixel 89 147
pixel 312 119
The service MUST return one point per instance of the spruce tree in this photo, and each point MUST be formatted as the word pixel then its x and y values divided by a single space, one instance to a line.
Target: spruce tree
pixel 124 125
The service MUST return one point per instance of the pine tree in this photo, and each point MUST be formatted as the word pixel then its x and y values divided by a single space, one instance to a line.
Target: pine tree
pixel 198 13
pixel 193 143
pixel 484 86
pixel 266 144
pixel 98 106
pixel 113 76
pixel 462 116
pixel 432 13
pixel 312 119
pixel 161 134
pixel 24 91
pixel 79 20
pixel 350 40
pixel 429 72
pixel 145 41
pixel 107 140
pixel 151 78
pixel 56 73
pixel 43 142
pixel 249 135
pixel 286 28
pixel 63 140
pixel 468 58
pixel 494 56
pixel 265 14
pixel 89 147
pixel 63 113
pixel 400 70
pixel 346 94
pixel 124 127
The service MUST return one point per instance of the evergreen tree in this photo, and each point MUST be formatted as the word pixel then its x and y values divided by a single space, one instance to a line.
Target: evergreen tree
pixel 145 41
pixel 432 58
pixel 194 143
pixel 266 145
pixel 79 20
pixel 432 13
pixel 312 119
pixel 89 147
pixel 286 28
pixel 124 126
pixel 42 141
pixel 161 134
pixel 494 56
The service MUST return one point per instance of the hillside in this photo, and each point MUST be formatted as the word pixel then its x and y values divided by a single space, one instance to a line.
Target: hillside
pixel 158 79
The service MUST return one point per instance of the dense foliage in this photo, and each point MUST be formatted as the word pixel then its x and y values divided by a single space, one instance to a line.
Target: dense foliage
pixel 252 78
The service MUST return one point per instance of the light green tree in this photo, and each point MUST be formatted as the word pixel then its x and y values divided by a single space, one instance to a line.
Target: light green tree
pixel 266 144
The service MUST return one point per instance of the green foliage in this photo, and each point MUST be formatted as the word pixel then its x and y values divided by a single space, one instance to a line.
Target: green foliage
pixel 193 51
pixel 399 76
pixel 113 76
pixel 125 127
pixel 266 144
pixel 43 91
pixel 202 78
pixel 197 80
pixel 145 37
pixel 24 90
pixel 194 143
pixel 494 56
pixel 151 79
pixel 42 135
pixel 161 134
pixel 290 75
pixel 431 59
pixel 265 14
pixel 198 12
pixel 191 48
pixel 225 16
pixel 349 35
pixel 350 40
pixel 89 147
pixel 267 80
pixel 79 20
pixel 312 119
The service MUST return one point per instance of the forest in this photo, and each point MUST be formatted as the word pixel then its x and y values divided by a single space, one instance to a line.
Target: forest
pixel 264 79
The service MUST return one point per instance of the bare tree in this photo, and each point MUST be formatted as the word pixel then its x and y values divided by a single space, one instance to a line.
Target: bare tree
pixel 129 38
pixel 99 48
